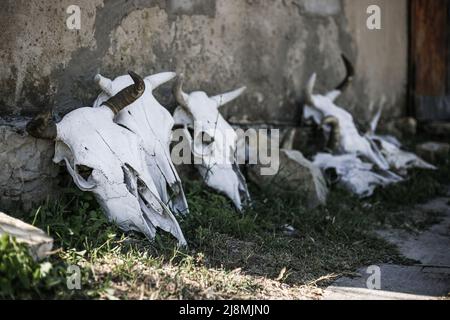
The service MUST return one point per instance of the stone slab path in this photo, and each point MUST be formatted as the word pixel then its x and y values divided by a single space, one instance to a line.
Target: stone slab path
pixel 428 279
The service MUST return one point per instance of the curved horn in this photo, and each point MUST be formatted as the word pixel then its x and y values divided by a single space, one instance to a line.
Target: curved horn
pixel 128 95
pixel 375 121
pixel 224 98
pixel 335 134
pixel 310 90
pixel 350 70
pixel 105 84
pixel 179 94
pixel 160 78
pixel 42 126
pixel 139 84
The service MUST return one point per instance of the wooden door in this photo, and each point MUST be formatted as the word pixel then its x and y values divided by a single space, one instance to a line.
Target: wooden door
pixel 429 59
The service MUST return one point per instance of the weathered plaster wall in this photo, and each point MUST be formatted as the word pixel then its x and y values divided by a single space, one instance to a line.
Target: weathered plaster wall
pixel 381 57
pixel 272 46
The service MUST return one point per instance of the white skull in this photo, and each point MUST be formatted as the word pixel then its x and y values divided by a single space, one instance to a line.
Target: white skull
pixel 152 123
pixel 109 160
pixel 319 107
pixel 213 141
pixel 398 159
pixel 352 174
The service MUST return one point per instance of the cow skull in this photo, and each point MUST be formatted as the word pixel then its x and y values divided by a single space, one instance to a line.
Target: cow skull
pixel 152 123
pixel 353 174
pixel 212 141
pixel 319 107
pixel 108 159
pixel 398 159
pixel 348 170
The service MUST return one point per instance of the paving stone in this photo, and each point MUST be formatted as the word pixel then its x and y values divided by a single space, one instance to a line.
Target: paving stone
pixel 429 279
pixel 434 152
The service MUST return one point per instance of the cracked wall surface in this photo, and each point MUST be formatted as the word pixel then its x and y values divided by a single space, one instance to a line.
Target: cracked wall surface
pixel 27 175
pixel 270 46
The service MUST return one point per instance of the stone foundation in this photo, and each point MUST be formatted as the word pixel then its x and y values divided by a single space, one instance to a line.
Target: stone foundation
pixel 28 175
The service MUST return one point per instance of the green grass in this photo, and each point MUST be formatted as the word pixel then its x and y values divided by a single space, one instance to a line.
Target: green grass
pixel 20 275
pixel 230 255
pixel 420 186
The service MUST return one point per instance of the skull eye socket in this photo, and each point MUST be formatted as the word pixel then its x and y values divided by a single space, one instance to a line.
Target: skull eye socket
pixel 206 138
pixel 202 138
pixel 84 171
pixel 331 175
pixel 203 144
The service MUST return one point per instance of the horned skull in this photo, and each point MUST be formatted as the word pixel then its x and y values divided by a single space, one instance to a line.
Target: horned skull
pixel 348 170
pixel 345 144
pixel 108 159
pixel 212 141
pixel 347 138
pixel 152 123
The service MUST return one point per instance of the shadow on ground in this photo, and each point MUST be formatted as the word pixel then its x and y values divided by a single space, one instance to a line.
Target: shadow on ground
pixel 429 278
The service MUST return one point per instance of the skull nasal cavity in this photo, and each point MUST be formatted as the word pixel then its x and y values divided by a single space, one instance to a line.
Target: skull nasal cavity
pixel 331 175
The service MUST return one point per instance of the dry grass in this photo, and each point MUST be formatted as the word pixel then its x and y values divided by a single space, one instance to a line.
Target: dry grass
pixel 190 280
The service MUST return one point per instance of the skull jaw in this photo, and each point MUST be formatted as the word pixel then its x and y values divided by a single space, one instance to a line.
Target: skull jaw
pixel 142 212
pixel 122 211
pixel 131 204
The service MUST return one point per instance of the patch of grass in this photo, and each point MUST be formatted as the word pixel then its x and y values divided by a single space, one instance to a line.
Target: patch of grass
pixel 230 255
pixel 21 276
pixel 419 187
pixel 394 204
pixel 332 239
pixel 75 221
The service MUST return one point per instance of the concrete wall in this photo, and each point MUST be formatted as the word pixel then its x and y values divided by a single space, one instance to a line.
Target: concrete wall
pixel 381 57
pixel 272 46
